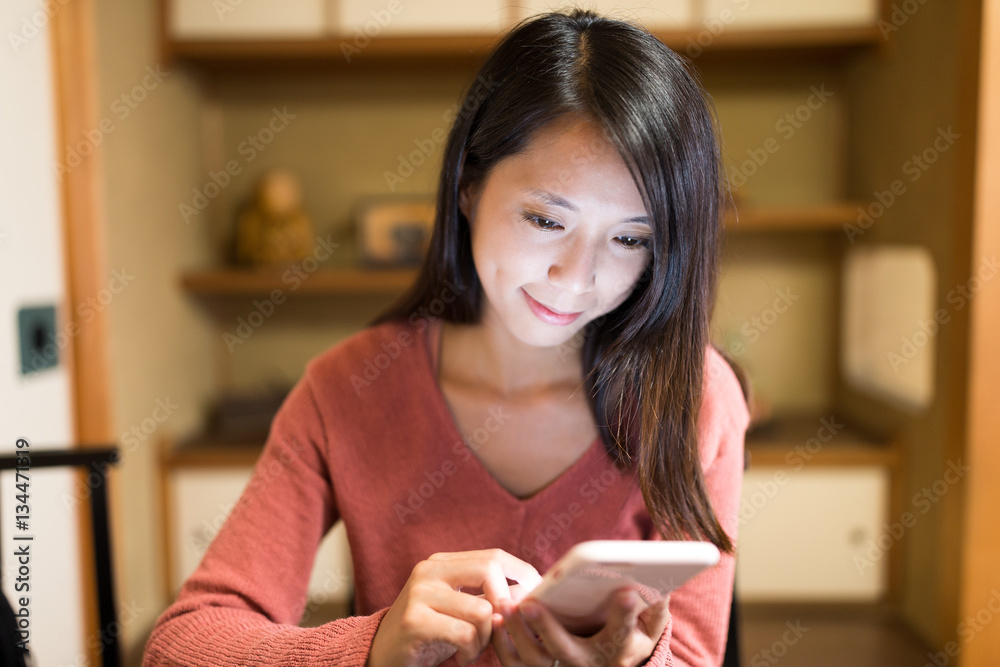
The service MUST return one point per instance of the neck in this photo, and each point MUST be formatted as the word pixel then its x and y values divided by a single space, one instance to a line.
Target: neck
pixel 487 356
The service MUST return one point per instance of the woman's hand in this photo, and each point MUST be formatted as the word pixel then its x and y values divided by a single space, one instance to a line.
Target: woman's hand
pixel 432 618
pixel 627 639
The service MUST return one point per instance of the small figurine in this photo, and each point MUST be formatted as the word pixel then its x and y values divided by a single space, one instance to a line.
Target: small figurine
pixel 274 229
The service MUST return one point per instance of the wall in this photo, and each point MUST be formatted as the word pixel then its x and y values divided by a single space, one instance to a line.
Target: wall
pixel 36 406
pixel 159 347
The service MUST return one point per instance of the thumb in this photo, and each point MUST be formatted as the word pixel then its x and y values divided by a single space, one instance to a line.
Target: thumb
pixel 656 617
pixel 625 609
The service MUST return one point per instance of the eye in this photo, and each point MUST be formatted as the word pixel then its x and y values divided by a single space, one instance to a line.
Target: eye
pixel 634 242
pixel 540 222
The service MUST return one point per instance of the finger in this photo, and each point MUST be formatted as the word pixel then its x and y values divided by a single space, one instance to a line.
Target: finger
pixel 557 641
pixel 511 567
pixel 625 611
pixel 528 646
pixel 469 619
pixel 654 619
pixel 503 645
pixel 461 572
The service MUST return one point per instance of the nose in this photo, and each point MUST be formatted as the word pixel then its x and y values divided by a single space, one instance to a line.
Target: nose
pixel 574 269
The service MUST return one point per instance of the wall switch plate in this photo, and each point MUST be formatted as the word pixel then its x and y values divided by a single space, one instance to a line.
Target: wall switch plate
pixel 37 334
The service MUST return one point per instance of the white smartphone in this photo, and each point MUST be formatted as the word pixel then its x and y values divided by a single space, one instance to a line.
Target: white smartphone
pixel 578 586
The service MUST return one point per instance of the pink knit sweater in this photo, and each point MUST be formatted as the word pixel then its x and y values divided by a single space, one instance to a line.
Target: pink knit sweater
pixel 367 437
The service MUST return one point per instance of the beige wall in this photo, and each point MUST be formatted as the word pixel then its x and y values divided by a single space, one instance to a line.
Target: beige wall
pixel 158 343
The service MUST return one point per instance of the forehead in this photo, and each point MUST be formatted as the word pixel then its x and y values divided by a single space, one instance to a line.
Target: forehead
pixel 567 152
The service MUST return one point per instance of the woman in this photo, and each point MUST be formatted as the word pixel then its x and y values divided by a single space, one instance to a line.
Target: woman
pixel 548 379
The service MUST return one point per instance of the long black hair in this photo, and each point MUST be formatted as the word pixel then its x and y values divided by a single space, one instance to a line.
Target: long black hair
pixel 644 362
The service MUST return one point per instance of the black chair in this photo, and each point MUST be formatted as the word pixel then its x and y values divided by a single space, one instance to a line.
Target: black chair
pixel 96 460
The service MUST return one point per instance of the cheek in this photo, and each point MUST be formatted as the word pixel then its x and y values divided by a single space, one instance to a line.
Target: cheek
pixel 621 280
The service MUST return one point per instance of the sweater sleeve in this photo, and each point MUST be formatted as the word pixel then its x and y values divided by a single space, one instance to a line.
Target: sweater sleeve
pixel 243 604
pixel 699 610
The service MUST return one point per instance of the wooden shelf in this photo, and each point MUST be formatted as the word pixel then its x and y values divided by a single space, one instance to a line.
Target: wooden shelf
pixel 769 445
pixel 822 217
pixel 466 49
pixel 788 440
pixel 359 280
pixel 204 452
pixel 345 281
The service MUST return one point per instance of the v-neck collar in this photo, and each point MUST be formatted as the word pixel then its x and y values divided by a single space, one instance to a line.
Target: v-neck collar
pixel 431 342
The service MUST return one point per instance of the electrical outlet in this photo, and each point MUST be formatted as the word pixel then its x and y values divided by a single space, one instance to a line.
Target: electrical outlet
pixel 37 333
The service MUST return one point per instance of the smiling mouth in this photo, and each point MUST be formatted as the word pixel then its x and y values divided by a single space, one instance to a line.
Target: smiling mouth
pixel 552 310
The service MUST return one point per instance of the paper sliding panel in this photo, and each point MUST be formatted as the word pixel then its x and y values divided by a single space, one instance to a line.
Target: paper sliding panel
pixel 420 17
pixel 764 14
pixel 890 325
pixel 247 19
pixel 654 14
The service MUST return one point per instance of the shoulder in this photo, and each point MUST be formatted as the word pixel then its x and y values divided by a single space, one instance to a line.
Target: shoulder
pixel 724 414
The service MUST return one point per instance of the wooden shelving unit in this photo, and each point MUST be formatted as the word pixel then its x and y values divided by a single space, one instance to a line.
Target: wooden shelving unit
pixel 788 439
pixel 348 280
pixel 345 281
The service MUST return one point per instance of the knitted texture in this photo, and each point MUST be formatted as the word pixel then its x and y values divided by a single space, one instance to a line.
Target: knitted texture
pixel 366 436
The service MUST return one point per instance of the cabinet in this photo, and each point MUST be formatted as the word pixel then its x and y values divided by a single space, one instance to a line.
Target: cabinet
pixel 390 31
pixel 772 225
pixel 815 506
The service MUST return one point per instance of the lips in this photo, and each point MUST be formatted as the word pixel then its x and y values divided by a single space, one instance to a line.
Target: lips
pixel 547 314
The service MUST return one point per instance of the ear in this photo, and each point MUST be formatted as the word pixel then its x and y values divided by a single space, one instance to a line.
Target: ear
pixel 468 197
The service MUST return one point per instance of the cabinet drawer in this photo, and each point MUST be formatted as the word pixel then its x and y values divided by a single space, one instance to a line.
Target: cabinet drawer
pixel 814 535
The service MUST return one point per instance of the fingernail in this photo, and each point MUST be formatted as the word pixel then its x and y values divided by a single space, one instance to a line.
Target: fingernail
pixel 530 610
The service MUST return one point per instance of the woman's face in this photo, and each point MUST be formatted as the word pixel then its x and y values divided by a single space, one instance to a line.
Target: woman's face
pixel 558 227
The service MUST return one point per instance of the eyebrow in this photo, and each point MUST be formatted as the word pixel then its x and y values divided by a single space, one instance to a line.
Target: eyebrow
pixel 555 200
